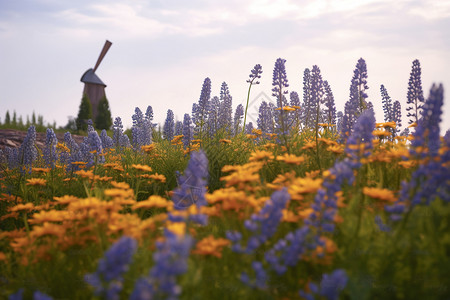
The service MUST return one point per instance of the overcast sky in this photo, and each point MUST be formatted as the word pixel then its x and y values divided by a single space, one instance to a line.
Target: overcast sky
pixel 163 50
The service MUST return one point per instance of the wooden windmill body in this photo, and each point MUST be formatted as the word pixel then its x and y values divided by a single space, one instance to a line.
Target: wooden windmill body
pixel 94 88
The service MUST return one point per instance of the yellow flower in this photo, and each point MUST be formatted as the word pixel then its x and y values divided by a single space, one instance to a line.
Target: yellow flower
pixel 148 148
pixel 120 185
pixel 144 168
pixel 48 229
pixel 22 207
pixel 302 186
pixel 291 159
pixel 78 163
pixel 261 155
pixel 242 175
pixel 381 133
pixel 85 174
pixel 66 199
pixel 48 216
pixel 179 228
pixel 286 108
pixel 153 201
pixel 158 177
pixel 309 145
pixel 257 131
pixel 37 181
pixel 225 141
pixel 211 246
pixel 289 216
pixel 379 193
pixel 119 193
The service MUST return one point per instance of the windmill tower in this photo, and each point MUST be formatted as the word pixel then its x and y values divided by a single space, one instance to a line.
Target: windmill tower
pixel 94 87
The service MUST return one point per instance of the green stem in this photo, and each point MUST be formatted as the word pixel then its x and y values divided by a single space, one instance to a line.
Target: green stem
pixel 246 107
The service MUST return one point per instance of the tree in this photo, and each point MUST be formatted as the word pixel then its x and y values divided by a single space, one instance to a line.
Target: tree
pixel 14 119
pixel 84 113
pixel 103 119
pixel 7 118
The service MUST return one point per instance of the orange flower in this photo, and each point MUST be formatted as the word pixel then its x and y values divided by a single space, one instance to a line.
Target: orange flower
pixel 289 216
pixel 378 193
pixel 66 199
pixel 49 216
pixel 291 159
pixel 178 228
pixel 148 148
pixel 120 185
pixel 261 155
pixel 153 201
pixel 143 168
pixel 309 145
pixel 22 207
pixel 37 181
pixel 211 246
pixel 225 141
pixel 48 229
pixel 158 177
pixel 119 193
pixel 2 256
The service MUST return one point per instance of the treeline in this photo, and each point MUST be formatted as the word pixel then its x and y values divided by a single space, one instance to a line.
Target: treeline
pixel 13 121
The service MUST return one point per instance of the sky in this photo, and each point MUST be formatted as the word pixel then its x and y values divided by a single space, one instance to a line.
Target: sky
pixel 163 50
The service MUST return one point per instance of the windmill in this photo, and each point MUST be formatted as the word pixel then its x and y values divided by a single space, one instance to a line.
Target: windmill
pixel 94 88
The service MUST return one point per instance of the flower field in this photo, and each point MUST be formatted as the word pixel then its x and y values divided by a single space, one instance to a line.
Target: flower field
pixel 309 203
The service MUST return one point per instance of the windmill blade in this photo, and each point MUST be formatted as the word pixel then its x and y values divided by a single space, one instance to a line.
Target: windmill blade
pixel 102 54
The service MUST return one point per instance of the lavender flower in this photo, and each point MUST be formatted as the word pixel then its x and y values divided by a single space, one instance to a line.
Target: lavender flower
pixel 27 151
pixel 201 110
pixel 12 157
pixel 187 130
pixel 37 295
pixel 431 178
pixel 280 82
pixel 17 295
pixel 260 276
pixel 296 116
pixel 357 102
pixel 117 132
pixel 330 110
pixel 107 280
pixel 397 116
pixel 307 98
pixel 415 93
pixel 239 113
pixel 254 75
pixel 178 128
pixel 149 114
pixel 169 126
pixel 107 142
pixel 316 93
pixel 192 185
pixel 170 261
pixel 330 286
pixel 265 118
pixel 213 116
pixel 94 143
pixel 225 109
pixel 49 151
pixel 387 105
pixel 264 224
pixel 141 130
pixel 249 128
